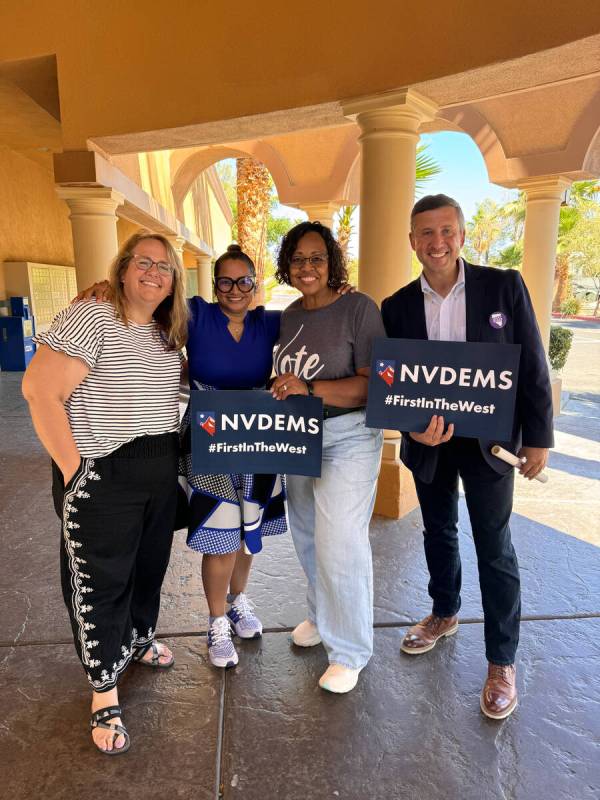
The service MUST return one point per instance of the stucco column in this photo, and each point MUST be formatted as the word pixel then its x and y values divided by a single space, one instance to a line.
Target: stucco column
pixel 94 227
pixel 177 243
pixel 544 195
pixel 205 277
pixel 321 212
pixel 388 143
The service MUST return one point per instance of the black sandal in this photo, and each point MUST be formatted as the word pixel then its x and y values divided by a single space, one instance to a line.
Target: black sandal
pixel 154 662
pixel 101 719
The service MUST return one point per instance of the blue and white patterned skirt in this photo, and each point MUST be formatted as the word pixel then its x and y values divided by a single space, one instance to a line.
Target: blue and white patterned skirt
pixel 228 510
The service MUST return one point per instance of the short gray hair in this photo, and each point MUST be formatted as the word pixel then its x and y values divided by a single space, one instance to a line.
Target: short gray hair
pixel 432 201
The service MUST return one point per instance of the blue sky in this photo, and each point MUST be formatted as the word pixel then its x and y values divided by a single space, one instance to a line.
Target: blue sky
pixel 463 176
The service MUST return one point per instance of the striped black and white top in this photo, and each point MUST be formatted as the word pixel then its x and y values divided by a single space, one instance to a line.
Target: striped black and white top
pixel 132 388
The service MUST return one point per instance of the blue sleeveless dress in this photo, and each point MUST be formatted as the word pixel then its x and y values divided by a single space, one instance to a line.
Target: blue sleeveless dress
pixel 228 510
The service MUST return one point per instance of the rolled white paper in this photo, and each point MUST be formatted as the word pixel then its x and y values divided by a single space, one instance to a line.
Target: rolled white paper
pixel 515 461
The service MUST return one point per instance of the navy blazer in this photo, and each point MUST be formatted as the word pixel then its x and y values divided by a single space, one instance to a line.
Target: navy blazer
pixel 487 290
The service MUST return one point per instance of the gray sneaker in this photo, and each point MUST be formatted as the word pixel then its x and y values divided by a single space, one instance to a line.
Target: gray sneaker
pixel 245 623
pixel 221 652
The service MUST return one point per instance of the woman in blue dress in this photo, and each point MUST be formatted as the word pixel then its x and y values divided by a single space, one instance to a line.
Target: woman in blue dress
pixel 230 346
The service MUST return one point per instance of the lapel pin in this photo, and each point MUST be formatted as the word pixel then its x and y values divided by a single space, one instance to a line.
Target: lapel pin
pixel 497 320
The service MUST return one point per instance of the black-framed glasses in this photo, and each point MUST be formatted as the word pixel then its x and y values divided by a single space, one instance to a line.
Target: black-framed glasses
pixel 317 260
pixel 245 284
pixel 145 263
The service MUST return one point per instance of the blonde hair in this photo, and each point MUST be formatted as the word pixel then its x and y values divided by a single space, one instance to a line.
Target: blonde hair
pixel 172 314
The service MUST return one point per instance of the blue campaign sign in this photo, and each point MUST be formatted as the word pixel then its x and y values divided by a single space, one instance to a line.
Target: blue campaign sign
pixel 250 432
pixel 471 384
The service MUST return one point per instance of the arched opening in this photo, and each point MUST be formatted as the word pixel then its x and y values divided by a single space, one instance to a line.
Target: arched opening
pixel 246 191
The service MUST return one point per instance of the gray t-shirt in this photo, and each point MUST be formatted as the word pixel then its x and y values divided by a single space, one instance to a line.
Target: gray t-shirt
pixel 328 343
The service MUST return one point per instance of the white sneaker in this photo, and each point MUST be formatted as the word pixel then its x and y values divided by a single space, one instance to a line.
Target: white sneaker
pixel 221 652
pixel 245 622
pixel 339 679
pixel 306 634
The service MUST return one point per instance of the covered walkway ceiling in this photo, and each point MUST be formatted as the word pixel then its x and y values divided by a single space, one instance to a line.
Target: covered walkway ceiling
pixel 546 124
pixel 524 86
pixel 128 68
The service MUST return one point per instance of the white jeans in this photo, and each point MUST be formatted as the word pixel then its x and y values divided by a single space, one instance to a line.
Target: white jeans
pixel 329 518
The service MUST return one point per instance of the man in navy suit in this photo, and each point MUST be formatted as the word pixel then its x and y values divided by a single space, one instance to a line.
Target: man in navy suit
pixel 456 301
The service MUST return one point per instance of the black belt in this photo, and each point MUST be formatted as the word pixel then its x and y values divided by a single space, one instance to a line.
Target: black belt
pixel 336 411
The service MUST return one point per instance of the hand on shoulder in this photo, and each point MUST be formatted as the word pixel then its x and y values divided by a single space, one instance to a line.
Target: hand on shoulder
pixel 100 292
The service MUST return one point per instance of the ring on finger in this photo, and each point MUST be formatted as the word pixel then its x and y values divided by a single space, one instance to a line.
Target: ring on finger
pixel 284 387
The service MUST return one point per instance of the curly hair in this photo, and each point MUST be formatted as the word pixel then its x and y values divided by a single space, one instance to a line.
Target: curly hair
pixel 338 274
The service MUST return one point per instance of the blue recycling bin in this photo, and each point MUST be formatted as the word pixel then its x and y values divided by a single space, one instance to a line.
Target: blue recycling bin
pixel 16 343
pixel 19 307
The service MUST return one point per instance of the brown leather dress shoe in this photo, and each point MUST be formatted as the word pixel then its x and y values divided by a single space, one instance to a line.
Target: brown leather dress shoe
pixel 499 694
pixel 423 636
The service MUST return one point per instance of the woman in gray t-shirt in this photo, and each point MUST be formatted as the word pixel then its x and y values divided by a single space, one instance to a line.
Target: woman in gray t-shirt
pixel 324 350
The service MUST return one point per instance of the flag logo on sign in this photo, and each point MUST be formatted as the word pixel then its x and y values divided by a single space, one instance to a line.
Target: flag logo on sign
pixel 206 420
pixel 385 370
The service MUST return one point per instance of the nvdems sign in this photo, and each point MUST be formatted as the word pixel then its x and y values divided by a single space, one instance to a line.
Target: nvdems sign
pixel 471 384
pixel 251 432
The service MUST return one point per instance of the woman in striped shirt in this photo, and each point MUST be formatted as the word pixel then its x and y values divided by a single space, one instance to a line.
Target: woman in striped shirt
pixel 103 394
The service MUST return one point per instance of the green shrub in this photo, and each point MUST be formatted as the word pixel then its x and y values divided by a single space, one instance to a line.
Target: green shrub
pixel 570 307
pixel 560 344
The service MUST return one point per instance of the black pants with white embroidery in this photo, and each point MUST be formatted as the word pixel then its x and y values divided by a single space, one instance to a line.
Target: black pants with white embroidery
pixel 118 514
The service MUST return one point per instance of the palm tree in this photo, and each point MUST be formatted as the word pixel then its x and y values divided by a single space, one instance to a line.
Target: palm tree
pixel 572 212
pixel 566 223
pixel 426 168
pixel 345 228
pixel 513 214
pixel 253 204
pixel 254 197
pixel 510 257
pixel 485 230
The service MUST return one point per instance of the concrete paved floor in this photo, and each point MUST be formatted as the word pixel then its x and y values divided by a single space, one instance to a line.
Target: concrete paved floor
pixel 575 462
pixel 411 729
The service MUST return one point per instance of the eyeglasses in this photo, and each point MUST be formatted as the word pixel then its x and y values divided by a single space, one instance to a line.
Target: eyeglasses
pixel 245 284
pixel 318 260
pixel 144 263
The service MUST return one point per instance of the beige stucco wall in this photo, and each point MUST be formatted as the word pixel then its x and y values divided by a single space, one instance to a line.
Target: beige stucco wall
pixel 221 230
pixel 125 229
pixel 189 260
pixel 203 214
pixel 189 217
pixel 155 177
pixel 200 211
pixel 130 165
pixel 34 223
